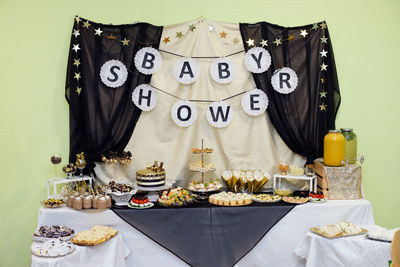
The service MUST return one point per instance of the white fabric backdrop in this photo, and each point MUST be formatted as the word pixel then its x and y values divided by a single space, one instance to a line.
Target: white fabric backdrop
pixel 276 248
pixel 248 142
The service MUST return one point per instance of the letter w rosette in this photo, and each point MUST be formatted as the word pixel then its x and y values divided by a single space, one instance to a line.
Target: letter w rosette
pixel 219 114
pixel 144 97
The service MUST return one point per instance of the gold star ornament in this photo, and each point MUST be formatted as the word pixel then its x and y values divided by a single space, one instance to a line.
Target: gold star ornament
pixel 98 32
pixel 323 25
pixel 223 34
pixel 179 34
pixel 125 42
pixel 166 40
pixel 191 27
pixel 322 107
pixel 250 42
pixel 76 48
pixel 78 90
pixel 264 42
pixel 86 24
pixel 236 41
pixel 323 66
pixel 77 76
pixel 77 62
pixel 290 38
pixel 315 26
pixel 322 80
pixel 111 37
pixel 76 33
pixel 323 39
pixel 277 41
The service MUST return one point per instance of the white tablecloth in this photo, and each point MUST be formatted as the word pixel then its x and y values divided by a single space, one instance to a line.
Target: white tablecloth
pixel 275 249
pixel 352 251
pixel 111 253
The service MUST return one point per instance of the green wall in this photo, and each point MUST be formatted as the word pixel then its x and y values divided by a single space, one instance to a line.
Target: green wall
pixel 34 114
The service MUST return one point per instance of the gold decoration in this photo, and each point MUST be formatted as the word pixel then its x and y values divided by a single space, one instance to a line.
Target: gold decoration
pixel 78 90
pixel 76 33
pixel 250 42
pixel 277 41
pixel 323 66
pixel 77 19
pixel 264 42
pixel 315 26
pixel 77 62
pixel 322 80
pixel 86 24
pixel 166 40
pixel 77 76
pixel 223 34
pixel 290 38
pixel 179 34
pixel 111 37
pixel 323 53
pixel 98 32
pixel 322 107
pixel 323 94
pixel 323 39
pixel 236 40
pixel 125 42
pixel 191 27
pixel 75 48
pixel 323 25
pixel 303 33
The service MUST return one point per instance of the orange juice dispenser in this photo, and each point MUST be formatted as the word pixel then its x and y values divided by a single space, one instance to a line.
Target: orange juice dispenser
pixel 334 148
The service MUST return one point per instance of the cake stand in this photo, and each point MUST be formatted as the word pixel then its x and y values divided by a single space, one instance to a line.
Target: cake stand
pixel 203 195
pixel 152 192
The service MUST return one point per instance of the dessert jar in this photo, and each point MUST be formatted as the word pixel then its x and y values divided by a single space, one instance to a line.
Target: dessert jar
pixel 87 202
pixel 350 145
pixel 334 148
pixel 108 201
pixel 77 204
pixel 101 203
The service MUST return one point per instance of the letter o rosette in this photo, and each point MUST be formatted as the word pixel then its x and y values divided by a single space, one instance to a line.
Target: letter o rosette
pixel 184 113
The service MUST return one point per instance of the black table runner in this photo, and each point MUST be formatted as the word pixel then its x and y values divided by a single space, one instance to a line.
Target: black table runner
pixel 205 234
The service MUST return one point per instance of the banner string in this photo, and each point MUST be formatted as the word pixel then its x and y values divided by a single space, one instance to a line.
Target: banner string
pixel 178 55
pixel 199 100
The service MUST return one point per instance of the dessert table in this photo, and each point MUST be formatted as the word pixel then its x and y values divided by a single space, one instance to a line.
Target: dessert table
pixel 276 248
pixel 352 251
pixel 111 253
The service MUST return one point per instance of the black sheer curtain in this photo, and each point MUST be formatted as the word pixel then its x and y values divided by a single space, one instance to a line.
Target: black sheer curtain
pixel 103 118
pixel 303 117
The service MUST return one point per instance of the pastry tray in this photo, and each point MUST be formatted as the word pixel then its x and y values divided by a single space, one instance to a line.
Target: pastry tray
pixel 315 230
pixel 265 201
pixel 231 205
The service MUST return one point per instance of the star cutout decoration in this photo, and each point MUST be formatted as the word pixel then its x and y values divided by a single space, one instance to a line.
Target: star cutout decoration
pixel 191 27
pixel 210 28
pixel 290 38
pixel 166 40
pixel 86 24
pixel 78 90
pixel 223 34
pixel 322 80
pixel 264 42
pixel 323 25
pixel 323 53
pixel 323 39
pixel 323 66
pixel 236 40
pixel 250 42
pixel 322 107
pixel 179 34
pixel 277 41
pixel 76 48
pixel 323 94
pixel 303 33
pixel 76 33
pixel 111 37
pixel 77 76
pixel 98 32
pixel 77 62
pixel 125 42
pixel 315 26
pixel 77 19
